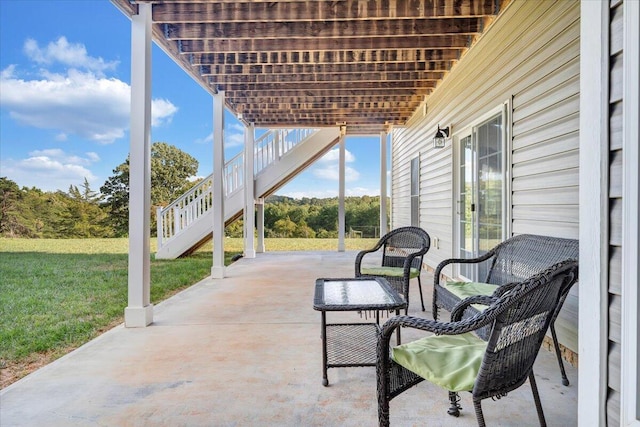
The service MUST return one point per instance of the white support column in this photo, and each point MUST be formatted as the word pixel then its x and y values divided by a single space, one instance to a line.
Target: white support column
pixel 593 212
pixel 248 216
pixel 341 221
pixel 260 214
pixel 217 269
pixel 139 312
pixel 383 183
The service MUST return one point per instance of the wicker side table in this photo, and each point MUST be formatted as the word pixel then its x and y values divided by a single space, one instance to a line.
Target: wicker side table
pixel 352 344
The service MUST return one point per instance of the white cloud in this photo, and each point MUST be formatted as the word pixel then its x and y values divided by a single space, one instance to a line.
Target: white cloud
pixel 69 54
pixel 162 111
pixel 233 136
pixel 51 169
pixel 334 155
pixel 206 140
pixel 80 103
pixel 327 167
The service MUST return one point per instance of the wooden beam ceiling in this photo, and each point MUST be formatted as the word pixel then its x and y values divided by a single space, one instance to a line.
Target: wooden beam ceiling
pixel 368 64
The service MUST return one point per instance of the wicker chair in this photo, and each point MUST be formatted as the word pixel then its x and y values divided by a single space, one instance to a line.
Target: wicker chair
pixel 402 251
pixel 513 260
pixel 518 317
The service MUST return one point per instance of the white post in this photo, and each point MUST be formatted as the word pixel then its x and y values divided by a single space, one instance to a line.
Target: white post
pixel 217 269
pixel 593 212
pixel 383 183
pixel 260 214
pixel 139 312
pixel 341 221
pixel 248 218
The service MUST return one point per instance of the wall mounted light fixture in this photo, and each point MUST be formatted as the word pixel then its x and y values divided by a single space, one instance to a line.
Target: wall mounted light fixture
pixel 440 137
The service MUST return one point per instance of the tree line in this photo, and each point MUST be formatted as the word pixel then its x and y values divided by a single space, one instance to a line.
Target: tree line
pixel 82 212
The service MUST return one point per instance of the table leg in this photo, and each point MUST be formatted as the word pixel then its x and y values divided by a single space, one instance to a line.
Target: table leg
pixel 325 379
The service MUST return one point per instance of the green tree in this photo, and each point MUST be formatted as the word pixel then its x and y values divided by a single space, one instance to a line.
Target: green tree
pixel 82 216
pixel 171 169
pixel 10 217
pixel 116 201
pixel 284 227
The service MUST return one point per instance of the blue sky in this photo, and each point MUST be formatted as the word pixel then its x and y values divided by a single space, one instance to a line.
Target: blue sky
pixel 64 104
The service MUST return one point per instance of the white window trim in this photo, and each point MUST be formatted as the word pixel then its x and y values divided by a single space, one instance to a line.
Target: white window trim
pixel 630 357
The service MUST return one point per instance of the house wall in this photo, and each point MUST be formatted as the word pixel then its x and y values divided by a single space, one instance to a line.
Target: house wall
pixel 615 142
pixel 529 61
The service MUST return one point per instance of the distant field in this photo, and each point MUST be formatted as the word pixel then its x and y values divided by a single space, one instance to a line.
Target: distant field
pixel 121 246
pixel 57 294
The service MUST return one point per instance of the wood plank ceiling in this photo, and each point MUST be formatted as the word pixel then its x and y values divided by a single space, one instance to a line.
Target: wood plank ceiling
pixel 366 64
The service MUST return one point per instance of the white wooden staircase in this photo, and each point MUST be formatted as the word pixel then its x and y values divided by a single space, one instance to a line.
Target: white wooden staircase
pixel 279 155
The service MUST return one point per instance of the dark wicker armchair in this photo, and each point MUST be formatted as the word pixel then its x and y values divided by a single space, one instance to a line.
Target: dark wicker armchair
pixel 513 260
pixel 517 316
pixel 402 251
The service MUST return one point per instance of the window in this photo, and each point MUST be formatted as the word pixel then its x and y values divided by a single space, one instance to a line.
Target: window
pixel 480 191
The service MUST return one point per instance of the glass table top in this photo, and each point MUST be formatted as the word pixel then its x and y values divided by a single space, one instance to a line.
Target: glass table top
pixel 356 293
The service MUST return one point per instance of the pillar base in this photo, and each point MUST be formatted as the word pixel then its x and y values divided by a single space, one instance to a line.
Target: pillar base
pixel 138 317
pixel 217 272
pixel 250 254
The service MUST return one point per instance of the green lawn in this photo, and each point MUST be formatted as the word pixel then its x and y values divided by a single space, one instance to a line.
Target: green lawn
pixel 56 295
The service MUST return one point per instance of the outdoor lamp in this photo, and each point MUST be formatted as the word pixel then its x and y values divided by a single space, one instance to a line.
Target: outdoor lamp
pixel 440 137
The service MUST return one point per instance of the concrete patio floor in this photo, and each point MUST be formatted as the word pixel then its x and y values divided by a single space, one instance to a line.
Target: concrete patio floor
pixel 246 351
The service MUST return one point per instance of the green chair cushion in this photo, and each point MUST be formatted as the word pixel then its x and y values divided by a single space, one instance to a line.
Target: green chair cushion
pixel 388 271
pixel 450 361
pixel 467 289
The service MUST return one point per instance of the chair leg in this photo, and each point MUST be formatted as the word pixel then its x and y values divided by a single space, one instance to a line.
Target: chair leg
pixel 454 409
pixel 477 405
pixel 565 380
pixel 536 398
pixel 383 395
pixel 398 337
pixel 420 287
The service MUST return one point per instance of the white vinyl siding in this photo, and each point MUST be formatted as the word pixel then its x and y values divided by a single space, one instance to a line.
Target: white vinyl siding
pixel 529 56
pixel 615 212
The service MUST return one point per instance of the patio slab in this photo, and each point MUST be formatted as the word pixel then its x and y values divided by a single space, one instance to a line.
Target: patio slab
pixel 246 351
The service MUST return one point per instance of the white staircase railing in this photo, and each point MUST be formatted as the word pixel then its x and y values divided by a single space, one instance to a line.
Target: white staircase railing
pixel 271 146
pixel 195 203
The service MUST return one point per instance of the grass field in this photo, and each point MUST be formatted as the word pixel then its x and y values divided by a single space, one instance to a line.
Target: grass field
pixel 56 295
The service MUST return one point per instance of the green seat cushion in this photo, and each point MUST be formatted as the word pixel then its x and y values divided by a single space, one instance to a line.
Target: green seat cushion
pixel 450 361
pixel 467 289
pixel 388 271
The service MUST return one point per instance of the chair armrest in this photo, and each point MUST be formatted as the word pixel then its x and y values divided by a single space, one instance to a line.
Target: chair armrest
pixel 409 261
pixel 468 324
pixel 458 310
pixel 443 264
pixel 361 255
